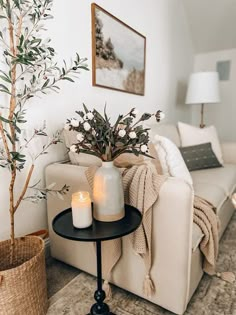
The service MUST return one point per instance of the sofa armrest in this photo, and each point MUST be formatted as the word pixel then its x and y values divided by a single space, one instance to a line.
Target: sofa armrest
pixel 229 152
pixel 172 241
pixel 171 233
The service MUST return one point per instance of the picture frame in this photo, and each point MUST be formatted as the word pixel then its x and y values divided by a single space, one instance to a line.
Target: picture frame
pixel 118 54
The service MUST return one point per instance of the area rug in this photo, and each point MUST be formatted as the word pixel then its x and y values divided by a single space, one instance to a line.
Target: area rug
pixel 213 296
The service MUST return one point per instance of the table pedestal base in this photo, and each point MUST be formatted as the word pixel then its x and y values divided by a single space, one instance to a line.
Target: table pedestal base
pixel 99 308
pixel 100 231
pixel 102 313
pixel 110 313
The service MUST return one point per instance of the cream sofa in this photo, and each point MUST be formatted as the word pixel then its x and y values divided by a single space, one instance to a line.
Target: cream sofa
pixel 177 260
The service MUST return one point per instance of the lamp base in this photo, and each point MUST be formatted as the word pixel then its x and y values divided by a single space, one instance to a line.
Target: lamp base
pixel 202 125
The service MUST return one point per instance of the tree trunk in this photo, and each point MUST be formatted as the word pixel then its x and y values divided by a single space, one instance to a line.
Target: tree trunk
pixel 12 133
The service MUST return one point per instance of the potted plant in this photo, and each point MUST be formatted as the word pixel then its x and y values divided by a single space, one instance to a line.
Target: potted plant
pixel 99 137
pixel 28 70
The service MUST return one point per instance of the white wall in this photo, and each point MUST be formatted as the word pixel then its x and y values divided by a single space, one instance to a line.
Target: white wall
pixel 169 62
pixel 222 115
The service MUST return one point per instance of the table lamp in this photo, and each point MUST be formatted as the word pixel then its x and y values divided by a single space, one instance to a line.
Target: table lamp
pixel 203 88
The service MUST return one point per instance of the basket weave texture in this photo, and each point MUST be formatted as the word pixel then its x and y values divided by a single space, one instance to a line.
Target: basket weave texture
pixel 23 287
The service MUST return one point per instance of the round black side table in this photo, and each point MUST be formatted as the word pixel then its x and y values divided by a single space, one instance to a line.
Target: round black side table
pixel 98 232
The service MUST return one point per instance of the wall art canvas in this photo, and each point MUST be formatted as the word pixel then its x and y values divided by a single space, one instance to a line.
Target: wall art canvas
pixel 118 54
pixel 223 68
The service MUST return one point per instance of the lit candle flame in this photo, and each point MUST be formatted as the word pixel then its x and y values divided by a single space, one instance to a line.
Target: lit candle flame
pixel 81 196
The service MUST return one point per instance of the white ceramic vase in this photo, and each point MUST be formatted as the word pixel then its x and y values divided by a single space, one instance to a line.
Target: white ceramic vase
pixel 108 194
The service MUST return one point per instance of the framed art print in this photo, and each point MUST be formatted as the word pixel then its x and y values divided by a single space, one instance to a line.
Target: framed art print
pixel 223 68
pixel 118 53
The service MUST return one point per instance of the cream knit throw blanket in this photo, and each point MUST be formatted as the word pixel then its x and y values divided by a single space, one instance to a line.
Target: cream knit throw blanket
pixel 205 217
pixel 141 188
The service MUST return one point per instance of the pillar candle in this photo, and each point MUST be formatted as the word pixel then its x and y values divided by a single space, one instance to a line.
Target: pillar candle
pixel 81 209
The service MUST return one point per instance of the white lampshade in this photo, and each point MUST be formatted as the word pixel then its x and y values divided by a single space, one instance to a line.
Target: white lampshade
pixel 203 88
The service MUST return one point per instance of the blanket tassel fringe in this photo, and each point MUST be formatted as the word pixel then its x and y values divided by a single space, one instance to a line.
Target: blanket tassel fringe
pixel 226 276
pixel 148 287
pixel 107 288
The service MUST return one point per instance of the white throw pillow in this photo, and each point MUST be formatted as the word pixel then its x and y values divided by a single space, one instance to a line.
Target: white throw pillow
pixel 81 159
pixel 171 159
pixel 191 135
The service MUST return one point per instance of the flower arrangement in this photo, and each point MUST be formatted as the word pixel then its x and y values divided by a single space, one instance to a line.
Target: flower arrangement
pixel 97 136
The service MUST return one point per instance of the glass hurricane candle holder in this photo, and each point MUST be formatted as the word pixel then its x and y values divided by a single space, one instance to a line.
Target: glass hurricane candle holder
pixel 81 209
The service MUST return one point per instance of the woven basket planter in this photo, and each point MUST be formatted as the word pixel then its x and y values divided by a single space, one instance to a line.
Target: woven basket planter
pixel 23 288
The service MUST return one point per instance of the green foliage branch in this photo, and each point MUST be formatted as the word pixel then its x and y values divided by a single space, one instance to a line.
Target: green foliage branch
pixel 28 70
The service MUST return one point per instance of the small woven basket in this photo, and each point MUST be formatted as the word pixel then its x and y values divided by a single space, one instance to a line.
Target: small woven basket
pixel 23 287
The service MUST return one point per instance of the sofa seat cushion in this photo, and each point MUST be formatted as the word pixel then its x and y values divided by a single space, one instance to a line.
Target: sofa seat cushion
pixel 216 184
pixel 212 193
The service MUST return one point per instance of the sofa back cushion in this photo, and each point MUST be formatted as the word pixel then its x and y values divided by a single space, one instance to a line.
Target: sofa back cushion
pixel 191 135
pixel 165 130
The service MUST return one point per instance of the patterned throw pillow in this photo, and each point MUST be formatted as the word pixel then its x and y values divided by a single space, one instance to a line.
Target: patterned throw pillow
pixel 191 135
pixel 198 157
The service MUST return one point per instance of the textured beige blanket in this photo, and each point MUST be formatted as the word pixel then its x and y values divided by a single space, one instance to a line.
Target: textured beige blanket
pixel 141 184
pixel 206 218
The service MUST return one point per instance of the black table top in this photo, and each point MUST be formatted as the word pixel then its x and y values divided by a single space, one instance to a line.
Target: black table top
pixel 98 231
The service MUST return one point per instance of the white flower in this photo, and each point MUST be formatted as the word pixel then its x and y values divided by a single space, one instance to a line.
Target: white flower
pixel 122 133
pixel 74 122
pixel 162 115
pixel 87 126
pixel 80 137
pixel 66 126
pixel 73 148
pixel 135 111
pixel 93 132
pixel 90 116
pixel 132 135
pixel 143 148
